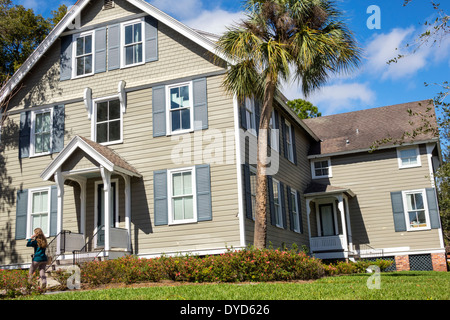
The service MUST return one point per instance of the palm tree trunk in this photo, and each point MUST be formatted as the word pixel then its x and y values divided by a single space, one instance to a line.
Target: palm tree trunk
pixel 260 232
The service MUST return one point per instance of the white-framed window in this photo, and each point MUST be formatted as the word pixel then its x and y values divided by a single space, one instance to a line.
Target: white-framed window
pixel 253 189
pixel 277 203
pixel 295 210
pixel 273 133
pixel 180 109
pixel 39 210
pixel 408 157
pixel 107 121
pixel 250 115
pixel 289 144
pixel 132 43
pixel 182 199
pixel 416 210
pixel 83 53
pixel 321 168
pixel 41 132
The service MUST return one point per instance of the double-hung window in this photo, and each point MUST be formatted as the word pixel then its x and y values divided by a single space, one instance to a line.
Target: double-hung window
pixel 416 209
pixel 39 210
pixel 132 43
pixel 180 107
pixel 41 131
pixel 273 132
pixel 108 122
pixel 295 211
pixel 321 169
pixel 408 157
pixel 182 200
pixel 250 115
pixel 289 143
pixel 277 203
pixel 83 53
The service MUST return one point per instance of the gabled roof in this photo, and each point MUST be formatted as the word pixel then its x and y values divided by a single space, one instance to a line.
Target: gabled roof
pixel 359 130
pixel 105 156
pixel 74 11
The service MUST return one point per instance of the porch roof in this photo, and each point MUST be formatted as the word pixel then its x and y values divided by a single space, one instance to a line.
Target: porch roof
pixel 318 189
pixel 105 157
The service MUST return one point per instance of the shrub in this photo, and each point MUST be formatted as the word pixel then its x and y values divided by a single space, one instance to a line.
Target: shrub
pixel 15 282
pixel 360 266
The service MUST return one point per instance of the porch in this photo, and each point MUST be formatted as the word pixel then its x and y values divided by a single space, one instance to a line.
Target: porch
pixel 100 171
pixel 329 226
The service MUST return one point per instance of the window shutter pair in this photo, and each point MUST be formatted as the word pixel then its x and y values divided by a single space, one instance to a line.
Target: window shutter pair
pixel 107 48
pixel 200 105
pixel 58 129
pixel 399 212
pixel 161 198
pixel 291 213
pixel 22 213
pixel 281 199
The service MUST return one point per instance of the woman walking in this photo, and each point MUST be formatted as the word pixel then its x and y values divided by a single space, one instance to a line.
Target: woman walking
pixel 39 242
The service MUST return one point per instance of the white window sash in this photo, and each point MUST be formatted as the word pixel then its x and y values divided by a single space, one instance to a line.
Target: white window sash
pixel 425 209
pixel 313 169
pixel 400 158
pixel 123 46
pixel 33 132
pixel 295 213
pixel 30 213
pixel 94 120
pixel 172 220
pixel 74 54
pixel 169 111
pixel 277 206
pixel 289 145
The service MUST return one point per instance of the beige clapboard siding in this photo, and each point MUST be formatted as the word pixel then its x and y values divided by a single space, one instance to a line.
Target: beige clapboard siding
pixel 372 177
pixel 296 177
pixel 178 58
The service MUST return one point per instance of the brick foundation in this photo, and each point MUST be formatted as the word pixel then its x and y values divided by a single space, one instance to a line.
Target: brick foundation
pixel 439 261
pixel 402 263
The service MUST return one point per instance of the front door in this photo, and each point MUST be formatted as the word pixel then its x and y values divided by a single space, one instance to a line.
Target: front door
pixel 101 212
pixel 327 226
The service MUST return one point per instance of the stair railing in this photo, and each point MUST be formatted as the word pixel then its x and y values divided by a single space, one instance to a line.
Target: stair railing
pixel 52 248
pixel 76 253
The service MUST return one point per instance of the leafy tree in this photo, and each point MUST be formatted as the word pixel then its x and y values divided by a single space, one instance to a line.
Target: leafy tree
pixel 304 109
pixel 307 38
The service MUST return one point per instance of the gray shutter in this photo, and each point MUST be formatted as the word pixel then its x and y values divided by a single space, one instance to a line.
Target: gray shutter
pixel 25 134
pixel 58 128
pixel 271 202
pixel 203 177
pixel 290 205
pixel 299 204
pixel 21 214
pixel 200 104
pixel 65 63
pixel 53 210
pixel 160 198
pixel 283 205
pixel 283 137
pixel 294 148
pixel 100 50
pixel 159 111
pixel 433 209
pixel 398 211
pixel 248 191
pixel 114 47
pixel 151 39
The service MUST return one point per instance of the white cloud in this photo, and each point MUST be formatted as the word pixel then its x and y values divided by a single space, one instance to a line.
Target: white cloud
pixel 336 98
pixel 179 9
pixel 215 21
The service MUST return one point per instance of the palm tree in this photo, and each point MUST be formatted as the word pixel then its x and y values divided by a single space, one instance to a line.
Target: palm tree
pixel 280 38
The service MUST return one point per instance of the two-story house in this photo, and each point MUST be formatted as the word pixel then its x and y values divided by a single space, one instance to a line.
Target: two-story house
pixel 120 139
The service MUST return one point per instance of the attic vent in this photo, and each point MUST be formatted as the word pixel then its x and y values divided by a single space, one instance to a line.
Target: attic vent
pixel 108 4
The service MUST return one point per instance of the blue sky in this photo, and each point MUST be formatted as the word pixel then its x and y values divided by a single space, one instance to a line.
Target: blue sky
pixel 375 83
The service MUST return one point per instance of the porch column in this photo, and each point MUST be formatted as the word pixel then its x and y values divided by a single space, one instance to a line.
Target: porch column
pixel 128 209
pixel 106 176
pixel 83 207
pixel 59 179
pixel 308 212
pixel 344 225
pixel 349 226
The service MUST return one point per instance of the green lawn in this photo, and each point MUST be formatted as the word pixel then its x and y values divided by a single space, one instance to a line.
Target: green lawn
pixel 393 286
